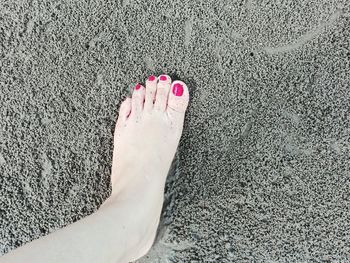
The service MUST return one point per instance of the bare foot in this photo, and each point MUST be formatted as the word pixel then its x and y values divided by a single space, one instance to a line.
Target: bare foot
pixel 148 131
pixel 147 134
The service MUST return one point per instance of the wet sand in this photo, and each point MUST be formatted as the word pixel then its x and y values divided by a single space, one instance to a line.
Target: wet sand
pixel 262 171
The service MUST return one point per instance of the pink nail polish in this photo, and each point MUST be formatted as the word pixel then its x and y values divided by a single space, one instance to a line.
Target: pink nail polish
pixel 163 78
pixel 178 89
pixel 138 86
pixel 151 78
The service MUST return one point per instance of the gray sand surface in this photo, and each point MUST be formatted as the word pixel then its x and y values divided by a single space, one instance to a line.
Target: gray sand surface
pixel 262 173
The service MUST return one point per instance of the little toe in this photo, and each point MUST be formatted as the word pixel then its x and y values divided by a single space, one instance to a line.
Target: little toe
pixel 163 88
pixel 137 101
pixel 124 112
pixel 178 100
pixel 151 87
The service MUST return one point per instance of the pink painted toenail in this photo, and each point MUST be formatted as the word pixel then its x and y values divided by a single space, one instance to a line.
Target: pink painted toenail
pixel 151 78
pixel 138 86
pixel 163 78
pixel 178 89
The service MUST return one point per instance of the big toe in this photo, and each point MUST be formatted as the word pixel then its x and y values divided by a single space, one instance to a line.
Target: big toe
pixel 178 97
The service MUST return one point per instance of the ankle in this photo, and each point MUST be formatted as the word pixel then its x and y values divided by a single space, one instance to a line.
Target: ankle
pixel 138 183
pixel 137 218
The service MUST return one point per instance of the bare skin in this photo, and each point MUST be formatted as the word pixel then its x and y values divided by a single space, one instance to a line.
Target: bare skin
pixel 147 134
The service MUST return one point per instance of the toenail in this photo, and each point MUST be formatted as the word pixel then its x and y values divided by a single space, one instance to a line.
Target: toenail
pixel 178 89
pixel 163 78
pixel 138 86
pixel 151 78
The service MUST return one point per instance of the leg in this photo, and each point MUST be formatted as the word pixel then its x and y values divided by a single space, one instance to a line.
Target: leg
pixel 147 133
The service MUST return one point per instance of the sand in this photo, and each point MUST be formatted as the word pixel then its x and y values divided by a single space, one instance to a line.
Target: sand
pixel 262 171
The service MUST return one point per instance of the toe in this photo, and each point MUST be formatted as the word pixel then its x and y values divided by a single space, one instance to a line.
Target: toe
pixel 163 87
pixel 124 112
pixel 151 87
pixel 178 100
pixel 138 98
